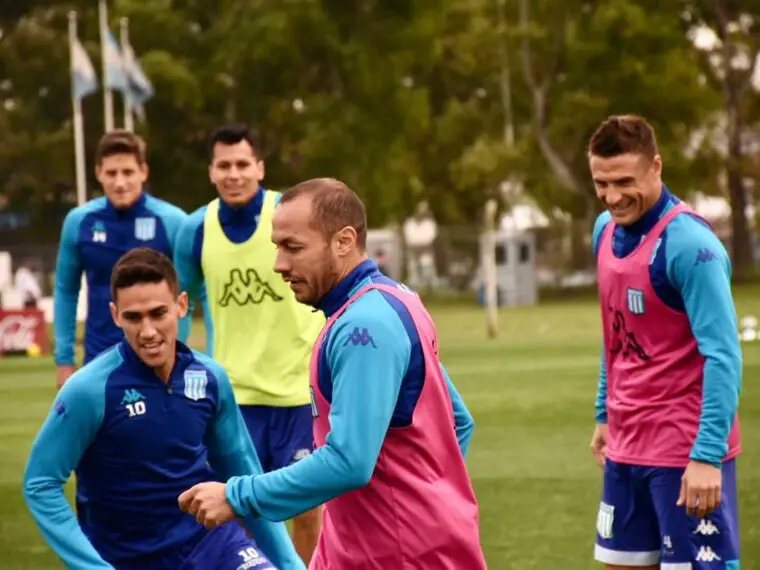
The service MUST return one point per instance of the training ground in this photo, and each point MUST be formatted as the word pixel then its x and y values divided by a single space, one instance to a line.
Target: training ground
pixel 532 394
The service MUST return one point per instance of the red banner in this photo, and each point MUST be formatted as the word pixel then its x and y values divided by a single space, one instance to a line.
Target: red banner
pixel 23 331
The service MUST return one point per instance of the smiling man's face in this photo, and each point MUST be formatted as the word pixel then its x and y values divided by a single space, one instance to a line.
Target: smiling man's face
pixel 627 184
pixel 236 171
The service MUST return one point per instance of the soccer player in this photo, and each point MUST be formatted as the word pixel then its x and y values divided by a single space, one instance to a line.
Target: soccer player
pixel 139 423
pixel 666 409
pixel 391 430
pixel 95 235
pixel 257 329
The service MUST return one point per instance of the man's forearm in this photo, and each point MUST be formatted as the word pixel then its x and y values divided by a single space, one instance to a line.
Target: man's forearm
pixel 58 524
pixel 283 494
pixel 601 392
pixel 720 398
pixel 65 327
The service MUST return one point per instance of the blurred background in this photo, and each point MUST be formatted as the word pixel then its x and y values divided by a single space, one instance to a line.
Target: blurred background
pixel 426 108
pixel 429 110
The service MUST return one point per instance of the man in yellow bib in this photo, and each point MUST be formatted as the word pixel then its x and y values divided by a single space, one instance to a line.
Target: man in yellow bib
pixel 255 327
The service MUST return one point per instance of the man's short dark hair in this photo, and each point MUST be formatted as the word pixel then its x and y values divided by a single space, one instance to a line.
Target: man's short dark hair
pixel 143 265
pixel 334 206
pixel 231 134
pixel 121 141
pixel 622 134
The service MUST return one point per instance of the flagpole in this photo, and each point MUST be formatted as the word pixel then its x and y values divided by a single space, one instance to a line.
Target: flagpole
pixel 76 103
pixel 128 113
pixel 107 93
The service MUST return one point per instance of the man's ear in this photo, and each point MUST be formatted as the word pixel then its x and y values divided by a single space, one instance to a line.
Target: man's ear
pixel 657 165
pixel 145 169
pixel 114 314
pixel 262 169
pixel 345 240
pixel 184 303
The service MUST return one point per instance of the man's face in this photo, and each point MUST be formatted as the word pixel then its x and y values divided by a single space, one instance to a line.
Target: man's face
pixel 122 178
pixel 149 314
pixel 628 184
pixel 236 172
pixel 305 259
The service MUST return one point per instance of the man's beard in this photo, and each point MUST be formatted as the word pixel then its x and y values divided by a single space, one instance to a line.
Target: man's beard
pixel 326 281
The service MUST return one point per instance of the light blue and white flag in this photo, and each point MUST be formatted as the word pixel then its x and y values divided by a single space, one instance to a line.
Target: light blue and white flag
pixel 115 77
pixel 140 87
pixel 84 81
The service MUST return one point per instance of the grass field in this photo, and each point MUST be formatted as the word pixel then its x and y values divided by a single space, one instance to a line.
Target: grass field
pixel 531 392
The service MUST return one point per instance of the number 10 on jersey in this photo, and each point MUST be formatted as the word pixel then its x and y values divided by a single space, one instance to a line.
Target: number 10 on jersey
pixel 136 409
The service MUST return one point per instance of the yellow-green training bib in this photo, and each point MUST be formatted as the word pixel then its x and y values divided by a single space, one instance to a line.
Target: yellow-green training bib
pixel 262 336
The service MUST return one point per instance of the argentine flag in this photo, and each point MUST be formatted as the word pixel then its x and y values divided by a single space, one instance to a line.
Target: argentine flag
pixel 83 79
pixel 140 87
pixel 115 77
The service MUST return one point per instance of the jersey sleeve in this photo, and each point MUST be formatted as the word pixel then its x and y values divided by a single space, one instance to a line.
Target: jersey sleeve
pixel 188 267
pixel 601 391
pixel 70 428
pixel 68 281
pixel 207 321
pixel 699 267
pixel 366 379
pixel 600 404
pixel 172 219
pixel 463 422
pixel 232 453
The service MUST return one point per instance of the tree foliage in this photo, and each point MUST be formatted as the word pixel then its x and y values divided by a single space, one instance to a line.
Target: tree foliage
pixel 435 100
pixel 730 63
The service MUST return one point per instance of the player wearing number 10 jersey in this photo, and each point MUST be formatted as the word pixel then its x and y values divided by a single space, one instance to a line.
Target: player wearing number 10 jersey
pixel 139 423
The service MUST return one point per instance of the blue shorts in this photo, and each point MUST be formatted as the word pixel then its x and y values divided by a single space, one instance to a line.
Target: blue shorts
pixel 225 548
pixel 282 436
pixel 639 523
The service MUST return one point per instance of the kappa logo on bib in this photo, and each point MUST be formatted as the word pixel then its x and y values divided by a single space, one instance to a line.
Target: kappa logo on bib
pixel 625 341
pixel 247 288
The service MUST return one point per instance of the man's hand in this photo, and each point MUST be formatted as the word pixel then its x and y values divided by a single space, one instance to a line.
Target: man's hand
pixel 700 488
pixel 599 443
pixel 208 502
pixel 64 373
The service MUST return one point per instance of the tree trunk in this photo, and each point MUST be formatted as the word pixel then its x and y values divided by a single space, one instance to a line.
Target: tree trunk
pixel 735 84
pixel 741 249
pixel 581 250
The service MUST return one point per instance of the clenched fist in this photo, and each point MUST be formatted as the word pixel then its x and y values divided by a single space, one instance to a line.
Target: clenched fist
pixel 208 502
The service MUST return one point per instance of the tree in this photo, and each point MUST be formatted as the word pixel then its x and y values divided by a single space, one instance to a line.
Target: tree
pixel 406 101
pixel 730 59
pixel 574 81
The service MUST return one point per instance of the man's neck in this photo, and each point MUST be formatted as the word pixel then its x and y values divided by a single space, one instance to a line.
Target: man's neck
pixel 129 206
pixel 654 199
pixel 246 203
pixel 350 265
pixel 650 216
pixel 164 371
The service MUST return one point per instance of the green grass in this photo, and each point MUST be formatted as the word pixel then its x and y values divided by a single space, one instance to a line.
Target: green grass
pixel 531 392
